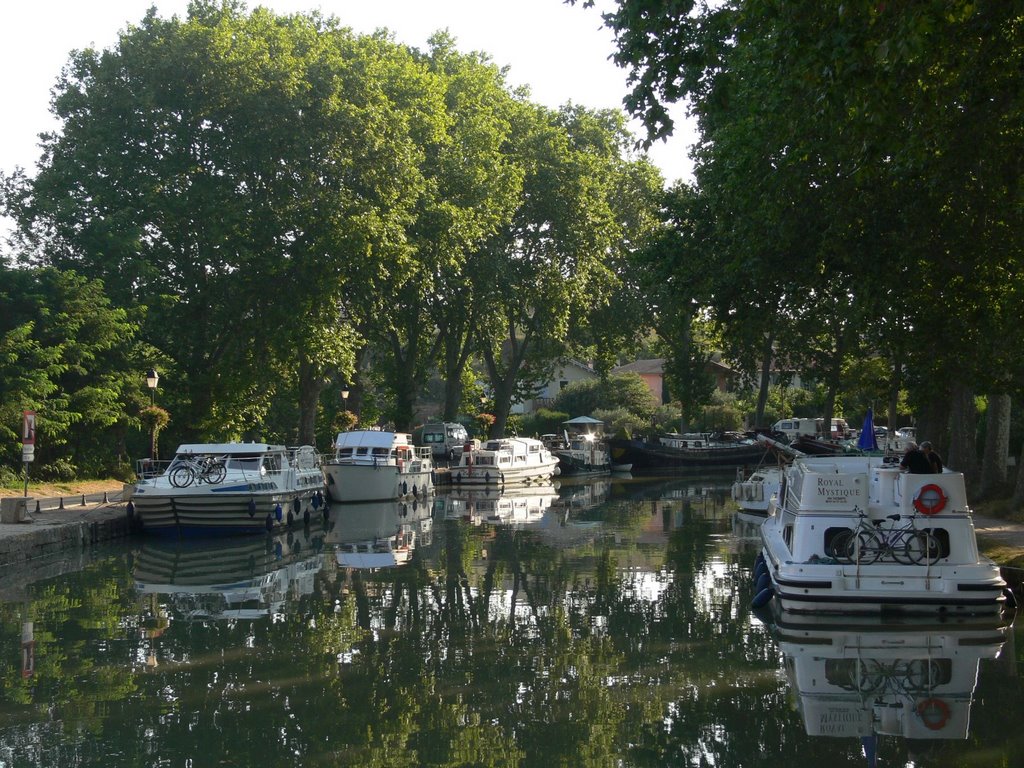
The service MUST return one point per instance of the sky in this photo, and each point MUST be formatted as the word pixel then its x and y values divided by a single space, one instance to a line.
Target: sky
pixel 561 52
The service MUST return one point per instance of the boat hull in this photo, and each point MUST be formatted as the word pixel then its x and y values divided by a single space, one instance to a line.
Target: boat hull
pixel 355 483
pixel 539 473
pixel 650 456
pixel 226 512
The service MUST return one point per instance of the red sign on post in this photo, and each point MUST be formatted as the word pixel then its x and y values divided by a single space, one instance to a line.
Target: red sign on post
pixel 28 428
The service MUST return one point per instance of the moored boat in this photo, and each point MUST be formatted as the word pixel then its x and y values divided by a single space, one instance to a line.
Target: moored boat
pixel 374 465
pixel 854 534
pixel 755 492
pixel 581 450
pixel 685 451
pixel 505 461
pixel 218 488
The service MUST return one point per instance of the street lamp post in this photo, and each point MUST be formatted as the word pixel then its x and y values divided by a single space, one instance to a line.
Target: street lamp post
pixel 152 379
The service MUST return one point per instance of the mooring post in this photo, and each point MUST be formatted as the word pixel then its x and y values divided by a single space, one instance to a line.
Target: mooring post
pixel 83 499
pixel 61 503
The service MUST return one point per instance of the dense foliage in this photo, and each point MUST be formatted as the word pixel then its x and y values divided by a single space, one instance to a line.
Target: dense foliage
pixel 857 190
pixel 283 208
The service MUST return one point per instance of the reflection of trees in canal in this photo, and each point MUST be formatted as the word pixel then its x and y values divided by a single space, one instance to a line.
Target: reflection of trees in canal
pixel 490 646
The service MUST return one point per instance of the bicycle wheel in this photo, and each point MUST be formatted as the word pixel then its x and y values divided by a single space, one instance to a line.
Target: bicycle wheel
pixel 869 546
pixel 913 548
pixel 841 546
pixel 182 476
pixel 215 473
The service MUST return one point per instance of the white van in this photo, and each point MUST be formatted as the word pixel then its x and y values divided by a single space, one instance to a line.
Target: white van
pixel 794 428
pixel 445 440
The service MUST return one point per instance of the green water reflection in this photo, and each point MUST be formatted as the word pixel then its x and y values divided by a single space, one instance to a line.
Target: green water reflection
pixel 596 624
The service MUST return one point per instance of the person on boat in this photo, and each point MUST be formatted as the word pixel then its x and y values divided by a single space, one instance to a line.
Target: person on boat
pixel 933 457
pixel 915 462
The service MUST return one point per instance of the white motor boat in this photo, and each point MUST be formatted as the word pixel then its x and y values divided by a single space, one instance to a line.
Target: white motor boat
pixel 216 488
pixel 505 461
pixel 854 534
pixel 373 465
pixel 754 493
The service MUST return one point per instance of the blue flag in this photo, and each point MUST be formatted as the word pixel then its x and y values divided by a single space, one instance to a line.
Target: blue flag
pixel 867 441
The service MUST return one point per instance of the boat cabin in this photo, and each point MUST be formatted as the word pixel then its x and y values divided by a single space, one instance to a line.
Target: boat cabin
pixel 823 497
pixel 375 448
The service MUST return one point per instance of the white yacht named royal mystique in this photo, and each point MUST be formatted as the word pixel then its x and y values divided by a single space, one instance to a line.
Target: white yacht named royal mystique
pixel 216 488
pixel 855 534
pixel 374 465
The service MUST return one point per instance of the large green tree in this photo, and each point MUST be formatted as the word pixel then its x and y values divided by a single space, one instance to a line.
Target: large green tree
pixel 861 165
pixel 235 173
pixel 545 271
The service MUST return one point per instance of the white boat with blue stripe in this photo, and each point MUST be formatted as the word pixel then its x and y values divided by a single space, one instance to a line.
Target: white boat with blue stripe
pixel 228 488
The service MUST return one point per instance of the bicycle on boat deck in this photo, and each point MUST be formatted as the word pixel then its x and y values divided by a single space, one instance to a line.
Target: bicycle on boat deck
pixel 204 469
pixel 869 542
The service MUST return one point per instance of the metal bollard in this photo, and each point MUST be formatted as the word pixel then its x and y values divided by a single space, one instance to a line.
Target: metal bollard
pixel 37 506
pixel 61 503
pixel 105 498
pixel 83 499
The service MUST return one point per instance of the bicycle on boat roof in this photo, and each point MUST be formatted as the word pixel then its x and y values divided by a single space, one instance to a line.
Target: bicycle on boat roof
pixel 197 469
pixel 869 541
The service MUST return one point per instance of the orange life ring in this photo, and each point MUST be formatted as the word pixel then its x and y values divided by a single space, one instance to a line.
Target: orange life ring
pixel 934 713
pixel 930 499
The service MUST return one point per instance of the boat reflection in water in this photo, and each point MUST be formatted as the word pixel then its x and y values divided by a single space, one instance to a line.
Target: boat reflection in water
pixel 244 578
pixel 381 534
pixel 872 678
pixel 512 505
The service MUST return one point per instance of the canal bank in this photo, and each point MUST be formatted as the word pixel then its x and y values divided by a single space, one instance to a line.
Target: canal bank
pixel 35 528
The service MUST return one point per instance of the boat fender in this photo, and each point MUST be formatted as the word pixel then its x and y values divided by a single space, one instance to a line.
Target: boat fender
pixel 760 571
pixel 316 501
pixel 930 499
pixel 291 518
pixel 252 507
pixel 269 523
pixel 758 560
pixel 487 476
pixel 1011 599
pixel 278 512
pixel 763 582
pixel 415 490
pixel 934 713
pixel 405 488
pixel 131 509
pixel 297 504
pixel 762 598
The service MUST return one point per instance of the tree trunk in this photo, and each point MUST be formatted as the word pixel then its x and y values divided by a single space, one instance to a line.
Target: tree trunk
pixel 997 444
pixel 456 354
pixel 894 394
pixel 1018 492
pixel 766 374
pixel 964 422
pixel 311 384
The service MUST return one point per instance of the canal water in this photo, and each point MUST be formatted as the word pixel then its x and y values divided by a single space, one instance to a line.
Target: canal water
pixel 600 623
